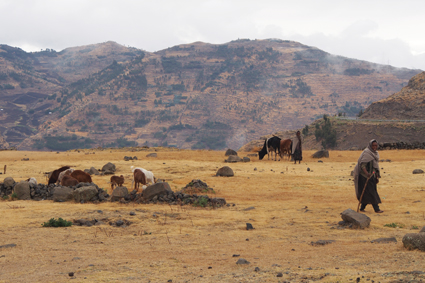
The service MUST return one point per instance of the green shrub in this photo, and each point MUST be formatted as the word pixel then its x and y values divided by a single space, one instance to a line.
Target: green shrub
pixel 14 195
pixel 57 223
pixel 5 197
pixel 202 202
pixel 394 225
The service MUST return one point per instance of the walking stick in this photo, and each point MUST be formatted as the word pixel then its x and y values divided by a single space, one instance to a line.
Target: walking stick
pixel 361 196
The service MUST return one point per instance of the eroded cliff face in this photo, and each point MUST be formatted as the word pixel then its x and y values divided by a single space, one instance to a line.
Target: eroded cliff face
pixel 407 104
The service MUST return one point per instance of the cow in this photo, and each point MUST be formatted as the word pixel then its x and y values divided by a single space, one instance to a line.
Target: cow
pixel 81 176
pixel 55 174
pixel 63 173
pixel 150 178
pixel 117 181
pixel 139 178
pixel 69 181
pixel 271 144
pixel 286 148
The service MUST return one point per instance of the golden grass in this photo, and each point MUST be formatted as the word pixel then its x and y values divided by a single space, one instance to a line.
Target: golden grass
pixel 292 208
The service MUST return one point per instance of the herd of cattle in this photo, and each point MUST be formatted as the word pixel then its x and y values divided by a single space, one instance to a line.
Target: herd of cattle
pixel 276 145
pixel 67 176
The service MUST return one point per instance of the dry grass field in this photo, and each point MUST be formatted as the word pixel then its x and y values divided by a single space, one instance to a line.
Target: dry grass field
pixel 292 208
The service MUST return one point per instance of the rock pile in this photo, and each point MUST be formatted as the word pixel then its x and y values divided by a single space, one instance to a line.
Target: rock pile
pixel 401 145
pixel 83 192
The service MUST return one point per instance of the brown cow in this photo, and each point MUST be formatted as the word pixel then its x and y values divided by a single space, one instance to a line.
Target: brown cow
pixel 285 147
pixel 117 181
pixel 55 174
pixel 81 176
pixel 69 181
pixel 139 177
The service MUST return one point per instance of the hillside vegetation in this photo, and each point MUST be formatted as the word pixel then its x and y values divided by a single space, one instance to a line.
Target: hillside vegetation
pixel 195 96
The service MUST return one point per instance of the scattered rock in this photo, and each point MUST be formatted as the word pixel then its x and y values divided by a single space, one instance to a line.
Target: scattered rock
pixel 22 190
pixel 9 182
pixel 414 241
pixel 225 171
pixel 418 171
pixel 242 261
pixel 233 159
pixel 279 274
pixel 132 213
pixel 71 274
pixel 320 161
pixel 153 154
pixel 119 193
pixel 257 269
pixel 230 152
pixel 8 246
pixel 246 159
pixel 109 168
pixel 358 220
pixel 249 226
pixel 85 194
pixel 249 208
pixel 385 240
pixel 62 194
pixel 93 171
pixel 308 169
pixel 156 190
pixel 321 154
pixel 422 230
pixel 25 159
pixel 322 242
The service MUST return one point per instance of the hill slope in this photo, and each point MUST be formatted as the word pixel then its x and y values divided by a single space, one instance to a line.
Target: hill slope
pixel 191 96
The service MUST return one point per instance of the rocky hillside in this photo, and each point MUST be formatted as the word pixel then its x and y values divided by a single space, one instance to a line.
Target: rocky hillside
pixel 407 104
pixel 191 96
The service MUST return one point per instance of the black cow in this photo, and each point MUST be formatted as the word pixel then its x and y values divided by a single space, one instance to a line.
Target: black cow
pixel 271 144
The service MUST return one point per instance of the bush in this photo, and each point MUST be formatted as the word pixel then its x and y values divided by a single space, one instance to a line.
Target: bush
pixel 57 223
pixel 202 202
pixel 326 133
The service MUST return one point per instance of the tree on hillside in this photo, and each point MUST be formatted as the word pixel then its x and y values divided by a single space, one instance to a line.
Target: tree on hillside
pixel 325 132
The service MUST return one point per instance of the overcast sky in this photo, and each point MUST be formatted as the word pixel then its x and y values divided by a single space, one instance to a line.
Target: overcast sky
pixel 385 32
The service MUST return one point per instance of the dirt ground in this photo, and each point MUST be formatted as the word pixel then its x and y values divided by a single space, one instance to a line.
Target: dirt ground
pixel 289 207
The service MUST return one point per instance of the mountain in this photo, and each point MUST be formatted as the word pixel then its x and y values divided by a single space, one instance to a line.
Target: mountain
pixel 195 95
pixel 407 104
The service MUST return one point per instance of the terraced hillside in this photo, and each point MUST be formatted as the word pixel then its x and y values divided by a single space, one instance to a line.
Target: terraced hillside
pixel 191 96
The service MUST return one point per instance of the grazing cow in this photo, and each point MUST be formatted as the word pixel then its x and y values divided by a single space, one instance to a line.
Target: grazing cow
pixel 286 148
pixel 271 144
pixel 117 181
pixel 81 176
pixel 69 181
pixel 150 178
pixel 139 178
pixel 63 173
pixel 55 174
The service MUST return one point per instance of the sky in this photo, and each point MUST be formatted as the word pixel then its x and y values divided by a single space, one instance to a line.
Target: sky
pixel 386 32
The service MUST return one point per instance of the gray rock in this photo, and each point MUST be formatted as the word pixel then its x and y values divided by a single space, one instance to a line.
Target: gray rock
pixel 93 171
pixel 422 230
pixel 156 190
pixel 321 154
pixel 246 159
pixel 233 159
pixel 61 194
pixel 413 241
pixel 418 171
pixel 85 194
pixel 225 171
pixel 249 226
pixel 385 240
pixel 153 154
pixel 322 242
pixel 242 261
pixel 109 167
pixel 22 190
pixel 119 193
pixel 358 220
pixel 230 152
pixel 128 158
pixel 8 246
pixel 8 182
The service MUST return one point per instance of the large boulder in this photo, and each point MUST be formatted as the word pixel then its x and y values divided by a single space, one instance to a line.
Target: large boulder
pixel 157 189
pixel 8 182
pixel 84 193
pixel 321 154
pixel 62 194
pixel 358 220
pixel 418 171
pixel 109 168
pixel 233 159
pixel 93 171
pixel 225 171
pixel 22 190
pixel 119 193
pixel 230 152
pixel 413 241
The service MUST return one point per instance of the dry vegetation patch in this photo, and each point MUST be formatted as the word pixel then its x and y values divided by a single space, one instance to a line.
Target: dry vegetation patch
pixel 289 207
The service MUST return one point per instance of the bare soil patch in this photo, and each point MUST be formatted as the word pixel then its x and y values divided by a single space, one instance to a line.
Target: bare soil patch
pixel 290 208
